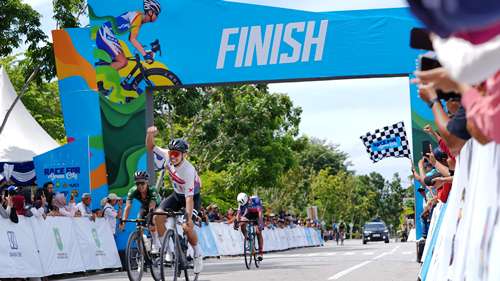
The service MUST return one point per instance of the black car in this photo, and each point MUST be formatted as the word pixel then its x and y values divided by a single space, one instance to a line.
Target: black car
pixel 375 231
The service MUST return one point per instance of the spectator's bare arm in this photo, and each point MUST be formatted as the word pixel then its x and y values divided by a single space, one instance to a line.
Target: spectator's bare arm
pixel 429 130
pixel 454 143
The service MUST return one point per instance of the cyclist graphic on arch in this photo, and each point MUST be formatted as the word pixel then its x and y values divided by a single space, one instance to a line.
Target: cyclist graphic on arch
pixel 107 42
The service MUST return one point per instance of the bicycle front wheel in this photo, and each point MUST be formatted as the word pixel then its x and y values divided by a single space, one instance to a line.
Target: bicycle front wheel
pixel 135 256
pixel 255 253
pixel 155 264
pixel 247 250
pixel 169 257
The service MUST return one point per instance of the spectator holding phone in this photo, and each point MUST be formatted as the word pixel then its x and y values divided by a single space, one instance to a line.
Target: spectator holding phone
pixel 48 190
pixel 7 207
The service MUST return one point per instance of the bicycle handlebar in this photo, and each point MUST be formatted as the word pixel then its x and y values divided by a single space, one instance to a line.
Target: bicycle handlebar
pixel 134 220
pixel 248 221
pixel 168 213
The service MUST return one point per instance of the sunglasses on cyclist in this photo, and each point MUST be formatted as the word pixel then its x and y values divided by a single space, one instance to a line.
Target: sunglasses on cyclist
pixel 174 153
pixel 138 183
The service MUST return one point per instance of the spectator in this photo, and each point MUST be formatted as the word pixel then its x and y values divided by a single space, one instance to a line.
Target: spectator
pixel 48 190
pixel 59 204
pixel 84 206
pixel 18 202
pixel 40 196
pixel 213 213
pixel 38 209
pixel 452 130
pixel 230 217
pixel 480 103
pixel 109 213
pixel 7 207
pixel 281 223
pixel 204 215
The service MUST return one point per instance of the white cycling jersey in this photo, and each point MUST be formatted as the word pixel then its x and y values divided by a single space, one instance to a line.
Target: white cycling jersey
pixel 184 177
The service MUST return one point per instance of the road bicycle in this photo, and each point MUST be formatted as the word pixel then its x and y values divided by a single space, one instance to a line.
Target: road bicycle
pixel 176 263
pixel 138 252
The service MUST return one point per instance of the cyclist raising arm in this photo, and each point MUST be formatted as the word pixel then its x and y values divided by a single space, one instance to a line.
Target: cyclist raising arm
pixel 186 184
pixel 251 209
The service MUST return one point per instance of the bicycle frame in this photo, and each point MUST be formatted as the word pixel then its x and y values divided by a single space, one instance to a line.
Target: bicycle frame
pixel 172 223
pixel 138 66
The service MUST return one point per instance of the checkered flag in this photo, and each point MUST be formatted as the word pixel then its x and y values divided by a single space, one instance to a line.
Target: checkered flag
pixel 390 141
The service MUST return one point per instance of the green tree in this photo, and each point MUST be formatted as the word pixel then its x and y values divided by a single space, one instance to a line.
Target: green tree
pixel 243 130
pixel 392 201
pixel 319 155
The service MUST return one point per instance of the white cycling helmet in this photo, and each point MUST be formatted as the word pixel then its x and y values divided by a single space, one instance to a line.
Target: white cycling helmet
pixel 242 198
pixel 152 5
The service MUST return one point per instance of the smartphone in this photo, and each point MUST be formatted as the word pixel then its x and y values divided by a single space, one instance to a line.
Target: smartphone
pixel 426 147
pixel 428 63
pixel 448 95
pixel 420 39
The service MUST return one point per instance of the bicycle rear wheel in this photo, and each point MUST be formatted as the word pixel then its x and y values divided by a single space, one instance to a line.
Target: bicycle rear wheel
pixel 247 250
pixel 135 256
pixel 169 257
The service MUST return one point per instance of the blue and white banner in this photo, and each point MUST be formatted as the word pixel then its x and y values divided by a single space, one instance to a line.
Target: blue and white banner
pixel 19 173
pixel 67 167
pixel 207 42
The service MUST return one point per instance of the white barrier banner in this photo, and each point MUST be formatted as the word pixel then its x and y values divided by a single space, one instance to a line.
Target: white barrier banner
pixel 220 239
pixel 18 254
pixel 468 244
pixel 59 249
pixel 236 240
pixel 435 215
pixel 96 241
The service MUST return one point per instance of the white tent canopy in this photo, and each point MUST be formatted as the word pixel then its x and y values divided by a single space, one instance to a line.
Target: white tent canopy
pixel 22 138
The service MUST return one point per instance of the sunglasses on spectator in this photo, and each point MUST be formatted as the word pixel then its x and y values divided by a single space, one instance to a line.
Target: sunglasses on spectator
pixel 174 153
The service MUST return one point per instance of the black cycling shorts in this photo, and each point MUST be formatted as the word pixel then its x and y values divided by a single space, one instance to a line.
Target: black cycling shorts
pixel 176 202
pixel 252 217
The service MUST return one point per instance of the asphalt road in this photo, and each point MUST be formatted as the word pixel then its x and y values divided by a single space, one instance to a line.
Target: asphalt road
pixel 375 261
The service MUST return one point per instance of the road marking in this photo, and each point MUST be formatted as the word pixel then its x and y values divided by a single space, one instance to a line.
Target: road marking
pixel 368 253
pixel 312 255
pixel 349 254
pixel 331 254
pixel 407 253
pixel 349 270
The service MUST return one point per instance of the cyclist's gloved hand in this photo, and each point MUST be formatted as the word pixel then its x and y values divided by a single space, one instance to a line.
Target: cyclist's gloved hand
pixel 236 225
pixel 149 57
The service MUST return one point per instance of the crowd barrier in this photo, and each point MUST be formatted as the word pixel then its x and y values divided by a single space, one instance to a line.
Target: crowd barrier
pixel 220 239
pixel 464 239
pixel 57 245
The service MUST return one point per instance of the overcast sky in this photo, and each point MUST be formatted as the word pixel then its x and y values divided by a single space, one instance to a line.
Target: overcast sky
pixel 339 111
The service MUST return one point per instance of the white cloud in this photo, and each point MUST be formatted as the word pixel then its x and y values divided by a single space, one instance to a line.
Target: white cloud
pixel 340 111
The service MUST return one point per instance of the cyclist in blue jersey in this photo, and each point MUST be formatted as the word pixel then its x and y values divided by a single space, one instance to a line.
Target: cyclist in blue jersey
pixel 250 208
pixel 129 22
